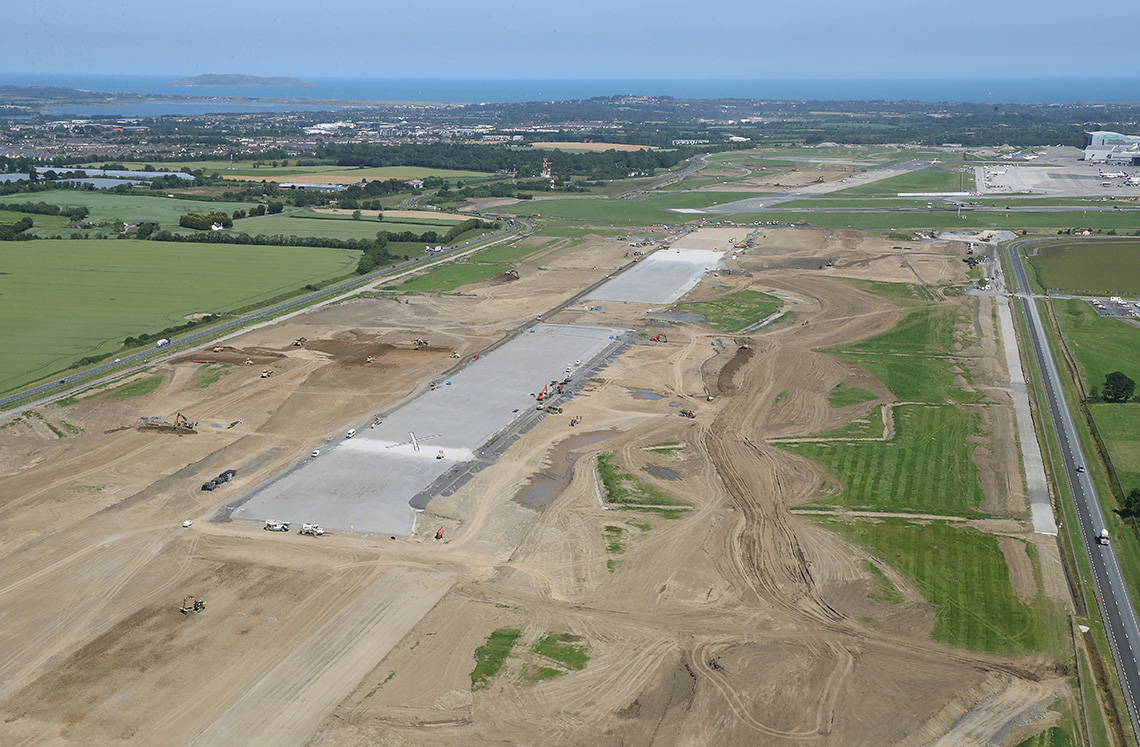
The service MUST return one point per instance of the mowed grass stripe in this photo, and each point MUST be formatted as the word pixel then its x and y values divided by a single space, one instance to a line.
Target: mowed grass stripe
pixel 64 300
pixel 926 468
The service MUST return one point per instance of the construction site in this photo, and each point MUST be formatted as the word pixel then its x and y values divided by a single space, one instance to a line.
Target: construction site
pixel 565 508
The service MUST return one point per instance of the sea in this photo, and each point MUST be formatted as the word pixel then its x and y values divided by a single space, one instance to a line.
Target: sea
pixel 499 90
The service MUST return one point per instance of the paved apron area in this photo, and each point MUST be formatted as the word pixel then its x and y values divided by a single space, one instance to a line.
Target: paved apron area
pixel 365 483
pixel 662 277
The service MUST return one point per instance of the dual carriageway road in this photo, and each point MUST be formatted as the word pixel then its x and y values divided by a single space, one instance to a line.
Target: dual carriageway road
pixel 1112 595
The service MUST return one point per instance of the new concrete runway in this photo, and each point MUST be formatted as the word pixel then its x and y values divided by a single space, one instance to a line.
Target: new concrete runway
pixel 365 483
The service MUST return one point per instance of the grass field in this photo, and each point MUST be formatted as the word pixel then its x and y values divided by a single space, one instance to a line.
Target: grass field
pixel 650 210
pixel 307 223
pixel 144 206
pixel 926 180
pixel 1100 267
pixel 63 300
pixel 563 649
pixel 1129 221
pixel 1054 736
pixel 1119 426
pixel 926 468
pixel 349 174
pixel 843 395
pixel 136 388
pixel 734 312
pixel 963 574
pixel 449 276
pixel 1100 345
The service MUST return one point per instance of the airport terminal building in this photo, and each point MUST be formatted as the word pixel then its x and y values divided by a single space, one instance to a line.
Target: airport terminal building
pixel 1112 148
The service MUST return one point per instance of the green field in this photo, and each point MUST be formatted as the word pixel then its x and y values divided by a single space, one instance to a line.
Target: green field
pixel 655 209
pixel 307 223
pixel 350 174
pixel 926 468
pixel 1123 220
pixel 1100 345
pixel 734 312
pixel 926 180
pixel 963 574
pixel 843 396
pixel 63 300
pixel 144 206
pixel 1119 426
pixel 449 276
pixel 1094 267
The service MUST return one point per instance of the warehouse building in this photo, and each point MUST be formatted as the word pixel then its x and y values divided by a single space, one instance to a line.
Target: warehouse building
pixel 1112 148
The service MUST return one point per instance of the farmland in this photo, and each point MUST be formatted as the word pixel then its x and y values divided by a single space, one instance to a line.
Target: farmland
pixel 64 300
pixel 319 174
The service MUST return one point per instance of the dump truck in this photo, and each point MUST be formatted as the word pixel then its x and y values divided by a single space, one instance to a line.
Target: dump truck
pixel 273 525
pixel 312 530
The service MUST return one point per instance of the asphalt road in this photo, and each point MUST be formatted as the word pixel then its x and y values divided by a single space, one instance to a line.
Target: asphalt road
pixel 214 330
pixel 1111 592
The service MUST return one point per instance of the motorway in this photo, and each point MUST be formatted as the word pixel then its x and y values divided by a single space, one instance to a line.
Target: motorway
pixel 137 359
pixel 1112 594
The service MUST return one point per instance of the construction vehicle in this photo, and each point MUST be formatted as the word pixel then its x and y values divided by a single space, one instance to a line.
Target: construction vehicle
pixel 273 525
pixel 454 354
pixel 312 530
pixel 439 455
pixel 188 523
pixel 660 338
pixel 577 419
pixel 266 373
pixel 419 344
pixel 556 409
pixel 371 359
pixel 542 395
pixel 219 349
pixel 248 362
pixel 439 533
pixel 300 342
pixel 191 604
pixel 1102 539
pixel 688 414
pixel 512 273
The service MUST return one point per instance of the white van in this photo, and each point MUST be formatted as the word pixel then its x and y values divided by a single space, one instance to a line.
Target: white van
pixel 351 433
pixel 315 454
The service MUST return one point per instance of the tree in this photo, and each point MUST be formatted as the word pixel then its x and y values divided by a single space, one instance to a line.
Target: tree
pixel 275 207
pixel 1118 387
pixel 356 215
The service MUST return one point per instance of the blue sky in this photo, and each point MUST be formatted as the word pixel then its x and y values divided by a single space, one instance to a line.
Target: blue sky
pixel 579 39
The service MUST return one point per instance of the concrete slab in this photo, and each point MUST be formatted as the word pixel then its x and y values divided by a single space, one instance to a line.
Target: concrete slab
pixel 364 484
pixel 662 277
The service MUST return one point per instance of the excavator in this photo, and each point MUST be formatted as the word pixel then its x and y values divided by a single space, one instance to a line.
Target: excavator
pixel 660 338
pixel 512 273
pixel 688 414
pixel 542 395
pixel 191 604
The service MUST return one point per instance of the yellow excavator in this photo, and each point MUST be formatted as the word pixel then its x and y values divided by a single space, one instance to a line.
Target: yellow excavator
pixel 191 604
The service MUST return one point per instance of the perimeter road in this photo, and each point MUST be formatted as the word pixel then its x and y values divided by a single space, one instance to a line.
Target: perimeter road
pixel 1111 592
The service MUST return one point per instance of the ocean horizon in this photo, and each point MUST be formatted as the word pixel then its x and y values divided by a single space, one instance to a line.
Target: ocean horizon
pixel 496 90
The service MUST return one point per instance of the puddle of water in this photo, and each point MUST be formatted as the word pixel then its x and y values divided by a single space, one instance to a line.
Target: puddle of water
pixel 544 487
pixel 646 394
pixel 662 472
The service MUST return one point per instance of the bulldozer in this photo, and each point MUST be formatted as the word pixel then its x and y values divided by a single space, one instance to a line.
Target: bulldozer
pixel 556 409
pixel 219 349
pixel 191 604
pixel 248 362
pixel 300 342
pixel 688 414
pixel 454 354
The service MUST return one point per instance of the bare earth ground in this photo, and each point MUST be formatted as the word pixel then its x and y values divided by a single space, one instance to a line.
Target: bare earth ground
pixel 739 623
pixel 764 179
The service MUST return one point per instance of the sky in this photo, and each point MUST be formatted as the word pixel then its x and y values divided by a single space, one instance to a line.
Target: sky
pixel 606 39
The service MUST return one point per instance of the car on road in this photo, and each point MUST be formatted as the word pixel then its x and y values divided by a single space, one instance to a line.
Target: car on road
pixel 316 453
pixel 1080 468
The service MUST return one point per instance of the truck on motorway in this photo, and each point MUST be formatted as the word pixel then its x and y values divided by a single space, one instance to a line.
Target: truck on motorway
pixel 162 343
pixel 1102 538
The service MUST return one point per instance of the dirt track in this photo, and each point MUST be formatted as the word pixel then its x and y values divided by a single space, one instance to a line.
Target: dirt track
pixel 739 623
